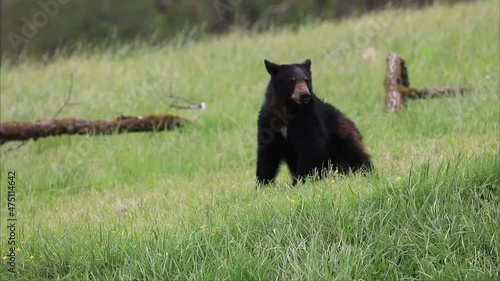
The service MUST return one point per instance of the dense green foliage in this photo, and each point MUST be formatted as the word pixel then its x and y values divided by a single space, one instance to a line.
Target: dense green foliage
pixel 42 26
pixel 182 205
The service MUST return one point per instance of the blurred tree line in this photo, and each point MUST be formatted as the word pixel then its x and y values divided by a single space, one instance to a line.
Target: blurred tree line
pixel 36 27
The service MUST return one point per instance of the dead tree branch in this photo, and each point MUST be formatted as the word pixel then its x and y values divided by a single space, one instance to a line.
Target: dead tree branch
pixel 67 100
pixel 23 131
pixel 397 85
pixel 65 104
pixel 189 105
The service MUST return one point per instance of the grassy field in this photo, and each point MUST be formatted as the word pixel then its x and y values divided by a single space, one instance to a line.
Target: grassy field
pixel 182 205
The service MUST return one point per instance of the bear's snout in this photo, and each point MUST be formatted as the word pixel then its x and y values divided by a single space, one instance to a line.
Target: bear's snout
pixel 305 97
pixel 301 93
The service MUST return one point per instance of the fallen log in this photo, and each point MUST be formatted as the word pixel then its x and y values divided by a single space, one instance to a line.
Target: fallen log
pixel 397 85
pixel 23 131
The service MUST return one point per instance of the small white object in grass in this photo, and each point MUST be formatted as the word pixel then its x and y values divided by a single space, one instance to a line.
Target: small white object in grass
pixel 202 105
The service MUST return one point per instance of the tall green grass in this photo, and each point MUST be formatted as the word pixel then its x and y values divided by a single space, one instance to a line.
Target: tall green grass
pixel 183 205
pixel 438 222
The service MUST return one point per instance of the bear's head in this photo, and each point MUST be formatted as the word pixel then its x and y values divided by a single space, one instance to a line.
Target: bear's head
pixel 291 82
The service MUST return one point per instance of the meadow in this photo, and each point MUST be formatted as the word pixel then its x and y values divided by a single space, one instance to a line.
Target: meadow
pixel 182 205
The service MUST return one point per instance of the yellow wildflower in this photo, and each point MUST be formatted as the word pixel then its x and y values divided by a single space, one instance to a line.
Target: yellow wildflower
pixel 293 201
pixel 18 250
pixel 398 179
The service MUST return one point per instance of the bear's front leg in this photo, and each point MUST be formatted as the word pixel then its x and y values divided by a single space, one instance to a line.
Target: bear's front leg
pixel 309 140
pixel 310 162
pixel 268 160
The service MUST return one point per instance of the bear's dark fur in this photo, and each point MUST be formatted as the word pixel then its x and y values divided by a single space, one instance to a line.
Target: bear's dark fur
pixel 310 135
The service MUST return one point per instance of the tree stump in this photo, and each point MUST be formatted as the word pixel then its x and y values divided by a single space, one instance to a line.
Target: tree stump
pixel 397 85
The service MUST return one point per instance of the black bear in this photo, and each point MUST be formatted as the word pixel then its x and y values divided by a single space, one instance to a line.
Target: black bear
pixel 295 126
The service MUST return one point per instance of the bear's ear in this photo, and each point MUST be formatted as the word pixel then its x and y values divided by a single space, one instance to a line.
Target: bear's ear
pixel 307 64
pixel 272 68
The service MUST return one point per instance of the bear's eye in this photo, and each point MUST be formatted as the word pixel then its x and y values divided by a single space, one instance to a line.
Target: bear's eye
pixel 292 80
pixel 306 78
